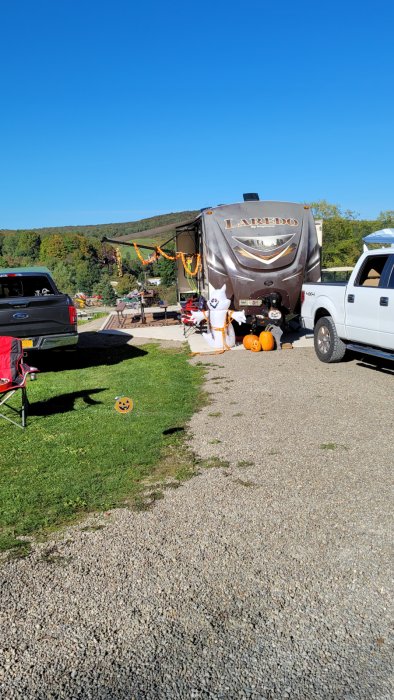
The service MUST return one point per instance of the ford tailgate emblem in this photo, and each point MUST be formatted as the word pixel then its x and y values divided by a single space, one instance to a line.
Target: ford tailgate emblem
pixel 19 316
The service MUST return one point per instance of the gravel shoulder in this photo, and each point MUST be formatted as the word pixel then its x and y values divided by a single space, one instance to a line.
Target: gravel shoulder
pixel 266 577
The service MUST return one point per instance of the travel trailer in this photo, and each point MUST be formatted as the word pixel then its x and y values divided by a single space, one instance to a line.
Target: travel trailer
pixel 263 251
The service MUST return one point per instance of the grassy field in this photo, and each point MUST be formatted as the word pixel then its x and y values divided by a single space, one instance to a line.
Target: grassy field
pixel 99 314
pixel 131 252
pixel 77 453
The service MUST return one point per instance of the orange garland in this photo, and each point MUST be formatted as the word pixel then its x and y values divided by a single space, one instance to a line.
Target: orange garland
pixel 186 259
pixel 164 254
pixel 185 263
pixel 152 258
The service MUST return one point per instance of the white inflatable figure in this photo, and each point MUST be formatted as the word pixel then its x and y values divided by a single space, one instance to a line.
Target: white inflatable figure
pixel 220 334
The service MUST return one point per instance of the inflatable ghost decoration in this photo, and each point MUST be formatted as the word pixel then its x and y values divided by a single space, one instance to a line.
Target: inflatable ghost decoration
pixel 220 333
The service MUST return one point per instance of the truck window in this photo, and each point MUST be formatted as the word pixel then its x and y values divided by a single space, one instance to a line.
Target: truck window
pixel 371 271
pixel 34 285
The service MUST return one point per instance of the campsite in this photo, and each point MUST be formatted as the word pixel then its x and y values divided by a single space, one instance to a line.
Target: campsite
pixel 265 570
pixel 196 351
pixel 196 515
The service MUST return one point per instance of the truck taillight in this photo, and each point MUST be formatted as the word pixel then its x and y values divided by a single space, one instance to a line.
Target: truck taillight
pixel 302 296
pixel 72 312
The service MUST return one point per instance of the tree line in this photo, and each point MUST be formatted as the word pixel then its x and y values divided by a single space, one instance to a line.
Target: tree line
pixel 343 232
pixel 81 262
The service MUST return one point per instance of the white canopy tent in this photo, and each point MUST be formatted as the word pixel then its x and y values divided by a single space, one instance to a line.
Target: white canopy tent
pixel 383 237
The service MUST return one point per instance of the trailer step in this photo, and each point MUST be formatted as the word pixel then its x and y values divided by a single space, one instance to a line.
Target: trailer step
pixel 367 350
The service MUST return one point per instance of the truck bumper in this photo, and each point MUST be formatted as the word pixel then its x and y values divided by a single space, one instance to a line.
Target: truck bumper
pixel 50 342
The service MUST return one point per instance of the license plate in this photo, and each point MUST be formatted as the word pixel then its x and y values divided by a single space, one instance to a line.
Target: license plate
pixel 250 302
pixel 27 343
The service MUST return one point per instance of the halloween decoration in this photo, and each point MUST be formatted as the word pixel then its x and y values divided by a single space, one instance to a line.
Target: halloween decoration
pixel 220 333
pixel 267 340
pixel 123 404
pixel 255 345
pixel 248 340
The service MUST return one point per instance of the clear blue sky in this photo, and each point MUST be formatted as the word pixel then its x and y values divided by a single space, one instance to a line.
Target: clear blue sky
pixel 118 110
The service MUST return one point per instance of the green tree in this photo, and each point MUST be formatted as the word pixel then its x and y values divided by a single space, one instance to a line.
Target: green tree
pixel 52 250
pixel 126 284
pixel 166 270
pixel 64 276
pixel 324 210
pixel 28 245
pixel 106 290
pixel 10 243
pixel 386 218
pixel 87 274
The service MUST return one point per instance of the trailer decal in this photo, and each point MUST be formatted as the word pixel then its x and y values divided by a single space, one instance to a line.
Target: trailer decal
pixel 259 223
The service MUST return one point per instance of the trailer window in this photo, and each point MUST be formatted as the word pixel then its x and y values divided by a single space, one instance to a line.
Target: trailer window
pixel 14 287
pixel 265 244
pixel 371 271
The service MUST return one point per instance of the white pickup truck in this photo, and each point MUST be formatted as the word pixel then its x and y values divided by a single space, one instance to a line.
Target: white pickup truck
pixel 357 315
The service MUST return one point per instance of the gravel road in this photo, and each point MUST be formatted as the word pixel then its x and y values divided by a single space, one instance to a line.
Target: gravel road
pixel 267 577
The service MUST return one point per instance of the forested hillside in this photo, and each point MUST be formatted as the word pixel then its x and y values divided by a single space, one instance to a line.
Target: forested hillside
pixel 79 260
pixel 114 230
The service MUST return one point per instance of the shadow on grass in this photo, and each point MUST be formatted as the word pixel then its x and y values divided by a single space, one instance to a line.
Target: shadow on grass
pixel 93 350
pixel 171 431
pixel 63 403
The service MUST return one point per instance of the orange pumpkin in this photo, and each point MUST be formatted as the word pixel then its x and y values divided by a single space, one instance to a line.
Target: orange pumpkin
pixel 255 345
pixel 248 340
pixel 267 340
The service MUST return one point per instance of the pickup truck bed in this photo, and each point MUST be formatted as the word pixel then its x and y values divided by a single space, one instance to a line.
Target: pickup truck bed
pixel 33 309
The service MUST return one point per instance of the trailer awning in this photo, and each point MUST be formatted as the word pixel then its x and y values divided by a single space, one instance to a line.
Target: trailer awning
pixel 187 225
pixel 151 232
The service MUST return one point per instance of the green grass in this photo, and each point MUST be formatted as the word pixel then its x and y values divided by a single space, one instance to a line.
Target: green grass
pixel 77 453
pixel 329 446
pixel 99 314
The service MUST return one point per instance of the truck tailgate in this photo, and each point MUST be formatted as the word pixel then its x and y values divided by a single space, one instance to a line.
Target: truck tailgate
pixel 327 295
pixel 35 316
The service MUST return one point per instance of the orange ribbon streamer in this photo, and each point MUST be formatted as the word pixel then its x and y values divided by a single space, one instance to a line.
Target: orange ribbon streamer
pixel 186 259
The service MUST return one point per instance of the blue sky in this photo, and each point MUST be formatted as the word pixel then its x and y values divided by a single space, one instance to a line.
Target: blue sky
pixel 115 111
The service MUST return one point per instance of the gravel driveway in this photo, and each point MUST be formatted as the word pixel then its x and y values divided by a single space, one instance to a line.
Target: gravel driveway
pixel 268 577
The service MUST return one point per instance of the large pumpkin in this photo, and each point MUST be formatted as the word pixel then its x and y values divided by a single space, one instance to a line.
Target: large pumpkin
pixel 248 340
pixel 267 340
pixel 255 345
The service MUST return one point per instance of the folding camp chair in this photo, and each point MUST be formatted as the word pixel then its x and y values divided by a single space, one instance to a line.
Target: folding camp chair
pixel 189 326
pixel 13 376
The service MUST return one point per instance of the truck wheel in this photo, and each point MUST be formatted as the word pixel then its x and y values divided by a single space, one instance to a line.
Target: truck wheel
pixel 328 346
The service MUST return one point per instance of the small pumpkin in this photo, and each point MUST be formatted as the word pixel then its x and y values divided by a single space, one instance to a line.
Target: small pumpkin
pixel 267 340
pixel 248 340
pixel 255 345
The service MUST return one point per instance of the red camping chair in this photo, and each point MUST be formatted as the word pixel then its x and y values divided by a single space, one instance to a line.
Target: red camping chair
pixel 13 375
pixel 189 325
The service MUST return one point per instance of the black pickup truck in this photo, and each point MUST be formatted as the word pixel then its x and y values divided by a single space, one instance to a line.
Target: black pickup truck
pixel 33 309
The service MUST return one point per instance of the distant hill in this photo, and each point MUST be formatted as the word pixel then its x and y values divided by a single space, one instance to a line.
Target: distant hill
pixel 125 230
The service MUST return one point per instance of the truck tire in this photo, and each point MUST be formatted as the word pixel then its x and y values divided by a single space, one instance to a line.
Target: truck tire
pixel 328 346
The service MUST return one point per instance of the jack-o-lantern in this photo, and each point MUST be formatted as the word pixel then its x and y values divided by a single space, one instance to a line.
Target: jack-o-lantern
pixel 267 340
pixel 248 340
pixel 255 345
pixel 123 404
